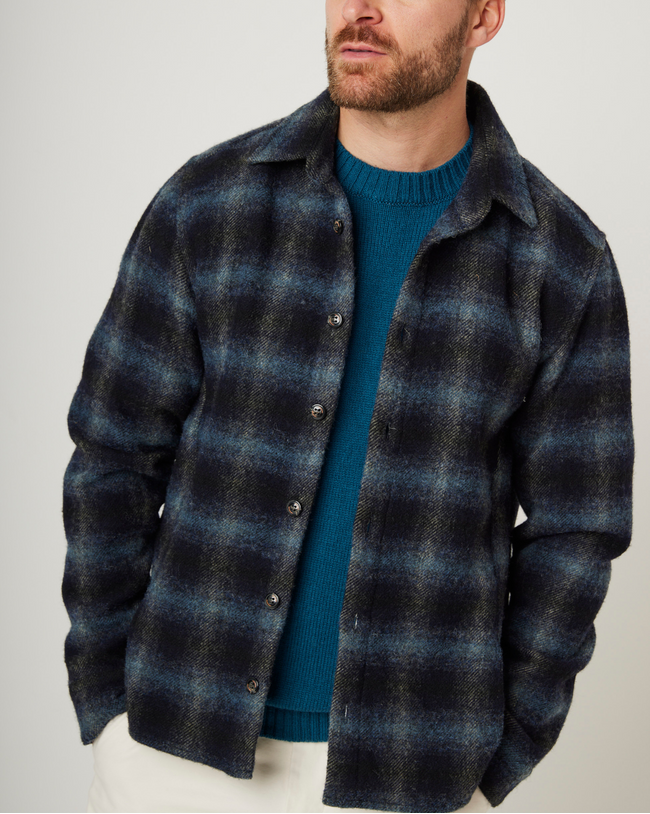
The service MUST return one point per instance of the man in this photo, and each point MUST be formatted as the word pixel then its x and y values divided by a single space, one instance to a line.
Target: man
pixel 342 350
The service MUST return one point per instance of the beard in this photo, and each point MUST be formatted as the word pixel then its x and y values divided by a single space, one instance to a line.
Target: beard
pixel 412 80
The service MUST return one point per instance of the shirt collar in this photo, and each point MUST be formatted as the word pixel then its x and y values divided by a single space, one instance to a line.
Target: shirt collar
pixel 496 171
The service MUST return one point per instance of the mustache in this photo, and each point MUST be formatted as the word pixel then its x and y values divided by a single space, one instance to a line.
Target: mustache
pixel 365 34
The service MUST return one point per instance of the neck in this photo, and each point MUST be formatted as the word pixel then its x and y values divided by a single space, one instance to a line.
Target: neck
pixel 411 141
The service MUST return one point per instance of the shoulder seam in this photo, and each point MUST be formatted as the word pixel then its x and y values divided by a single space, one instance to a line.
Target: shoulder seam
pixel 567 337
pixel 565 203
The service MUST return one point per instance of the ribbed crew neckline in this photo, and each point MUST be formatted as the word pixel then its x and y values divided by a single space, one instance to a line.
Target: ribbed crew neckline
pixel 390 186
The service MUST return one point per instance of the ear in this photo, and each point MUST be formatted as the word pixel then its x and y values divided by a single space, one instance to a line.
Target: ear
pixel 486 19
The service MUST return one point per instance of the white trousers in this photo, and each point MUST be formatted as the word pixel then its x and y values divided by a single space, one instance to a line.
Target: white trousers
pixel 288 776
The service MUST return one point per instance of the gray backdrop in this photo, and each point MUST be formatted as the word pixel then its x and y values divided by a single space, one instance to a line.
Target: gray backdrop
pixel 101 103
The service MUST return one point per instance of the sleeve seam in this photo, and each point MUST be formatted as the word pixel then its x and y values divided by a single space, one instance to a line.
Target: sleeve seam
pixel 567 337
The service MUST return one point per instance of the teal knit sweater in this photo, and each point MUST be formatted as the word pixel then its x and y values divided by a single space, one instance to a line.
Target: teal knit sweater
pixel 391 214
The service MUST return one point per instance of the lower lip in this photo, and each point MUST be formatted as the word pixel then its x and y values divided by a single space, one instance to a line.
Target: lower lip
pixel 361 54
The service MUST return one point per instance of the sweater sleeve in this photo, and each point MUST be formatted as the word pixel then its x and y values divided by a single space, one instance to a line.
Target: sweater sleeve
pixel 141 374
pixel 573 457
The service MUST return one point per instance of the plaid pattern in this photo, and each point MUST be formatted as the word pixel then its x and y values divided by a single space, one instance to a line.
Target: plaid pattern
pixel 505 379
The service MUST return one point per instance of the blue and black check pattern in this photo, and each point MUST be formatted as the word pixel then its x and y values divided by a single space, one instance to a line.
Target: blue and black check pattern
pixel 504 382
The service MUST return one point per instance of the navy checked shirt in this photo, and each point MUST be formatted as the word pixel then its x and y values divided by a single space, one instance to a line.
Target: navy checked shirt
pixel 504 382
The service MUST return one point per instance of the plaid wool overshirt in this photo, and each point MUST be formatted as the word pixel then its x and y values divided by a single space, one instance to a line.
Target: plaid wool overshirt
pixel 504 382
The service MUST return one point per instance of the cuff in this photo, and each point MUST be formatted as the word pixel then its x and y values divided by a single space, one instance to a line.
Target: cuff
pixel 514 759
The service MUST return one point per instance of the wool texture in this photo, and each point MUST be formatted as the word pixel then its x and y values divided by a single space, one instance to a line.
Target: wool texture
pixel 504 381
pixel 391 214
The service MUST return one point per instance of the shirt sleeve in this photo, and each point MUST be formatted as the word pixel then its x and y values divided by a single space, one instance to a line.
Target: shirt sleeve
pixel 573 457
pixel 141 375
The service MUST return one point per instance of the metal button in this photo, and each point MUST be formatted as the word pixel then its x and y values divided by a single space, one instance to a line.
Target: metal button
pixel 294 507
pixel 338 226
pixel 318 412
pixel 252 685
pixel 272 600
pixel 335 319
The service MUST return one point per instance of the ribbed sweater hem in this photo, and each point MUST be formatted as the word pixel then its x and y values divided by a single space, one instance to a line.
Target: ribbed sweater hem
pixel 294 725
